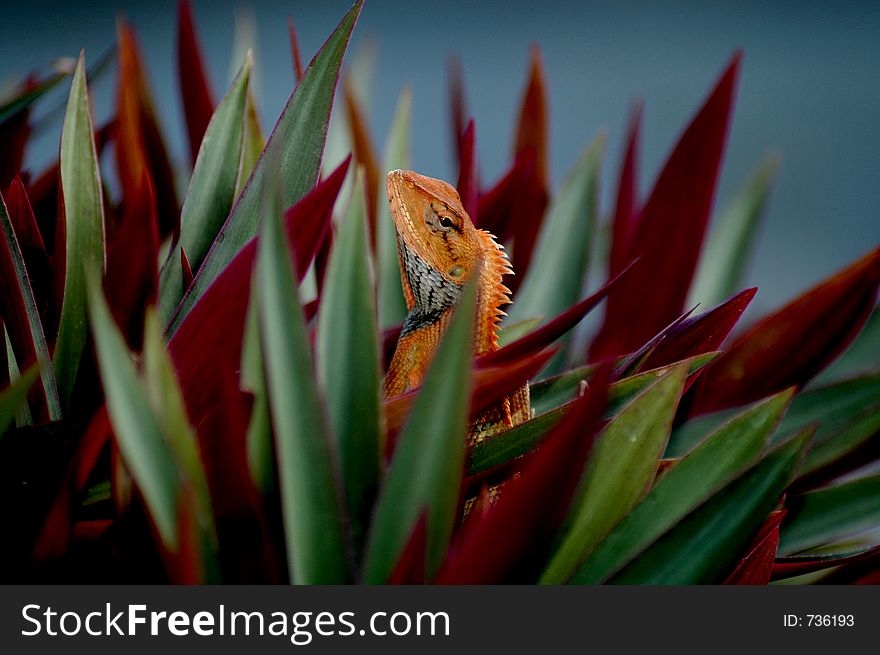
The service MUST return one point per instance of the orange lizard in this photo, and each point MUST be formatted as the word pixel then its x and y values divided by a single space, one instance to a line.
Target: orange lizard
pixel 439 249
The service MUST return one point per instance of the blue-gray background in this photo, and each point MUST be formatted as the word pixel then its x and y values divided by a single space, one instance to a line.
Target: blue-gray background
pixel 810 89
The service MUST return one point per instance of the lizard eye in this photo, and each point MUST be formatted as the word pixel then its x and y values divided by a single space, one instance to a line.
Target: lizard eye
pixel 446 222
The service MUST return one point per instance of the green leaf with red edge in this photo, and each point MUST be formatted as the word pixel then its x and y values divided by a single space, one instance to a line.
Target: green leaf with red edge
pixel 756 567
pixel 254 143
pixel 210 339
pixel 732 238
pixel 625 220
pixel 410 568
pixel 468 184
pixel 862 356
pixel 519 526
pixel 820 518
pixel 705 545
pixel 211 190
pixel 195 512
pixel 848 415
pixel 22 324
pixel 727 452
pixel 619 472
pixel 794 343
pixel 392 305
pixel 550 393
pixel 670 230
pixel 427 468
pixel 145 452
pixel 348 367
pixel 28 93
pixel 307 475
pixel 13 397
pixel 699 334
pixel 139 144
pixel 297 143
pixel 84 230
pixel 539 339
pixel 195 91
pixel 795 565
pixel 553 400
pixel 30 240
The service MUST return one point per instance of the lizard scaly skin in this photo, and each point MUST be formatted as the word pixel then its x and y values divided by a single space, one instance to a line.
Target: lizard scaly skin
pixel 439 249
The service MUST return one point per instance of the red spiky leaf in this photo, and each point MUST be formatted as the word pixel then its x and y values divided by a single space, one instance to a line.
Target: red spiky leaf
pixel 131 281
pixel 364 155
pixel 467 172
pixel 699 334
pixel 539 339
pixel 626 211
pixel 139 143
pixel 530 508
pixel 757 564
pixel 671 228
pixel 198 105
pixel 790 346
pixel 294 50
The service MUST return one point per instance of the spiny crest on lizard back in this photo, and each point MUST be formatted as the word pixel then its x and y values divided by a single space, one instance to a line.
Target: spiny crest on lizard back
pixel 440 249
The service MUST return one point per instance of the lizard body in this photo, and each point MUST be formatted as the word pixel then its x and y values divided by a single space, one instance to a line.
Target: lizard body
pixel 439 249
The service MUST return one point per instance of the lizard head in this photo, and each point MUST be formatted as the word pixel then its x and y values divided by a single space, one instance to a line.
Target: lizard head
pixel 433 225
pixel 440 249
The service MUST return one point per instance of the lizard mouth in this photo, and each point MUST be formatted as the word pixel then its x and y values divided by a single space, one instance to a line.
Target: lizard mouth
pixel 433 294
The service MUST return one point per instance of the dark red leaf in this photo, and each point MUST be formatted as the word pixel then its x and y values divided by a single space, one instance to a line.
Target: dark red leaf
pixel 495 207
pixel 410 568
pixel 492 384
pixel 531 131
pixel 793 344
pixel 322 259
pixel 635 362
pixel 311 224
pixel 132 278
pixel 700 334
pixel 520 525
pixel 198 105
pixel 14 134
pixel 467 172
pixel 294 49
pixel 364 155
pixel 757 564
pixel 139 143
pixel 671 228
pixel 625 222
pixel 539 339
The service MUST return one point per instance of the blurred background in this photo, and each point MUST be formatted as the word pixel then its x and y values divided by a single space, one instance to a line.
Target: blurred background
pixel 810 90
